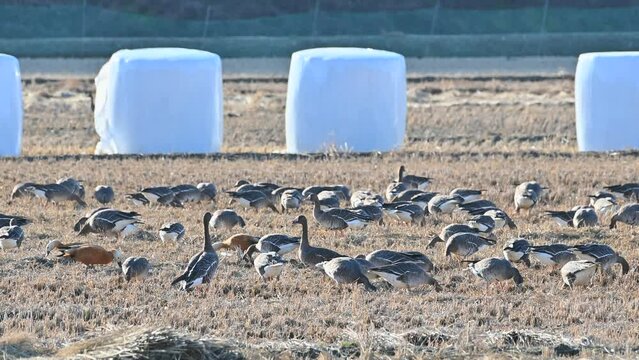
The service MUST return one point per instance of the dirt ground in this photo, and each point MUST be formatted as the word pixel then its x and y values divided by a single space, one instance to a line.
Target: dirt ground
pixel 479 133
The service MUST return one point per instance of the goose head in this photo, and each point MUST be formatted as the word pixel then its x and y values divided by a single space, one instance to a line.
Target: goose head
pixel 300 220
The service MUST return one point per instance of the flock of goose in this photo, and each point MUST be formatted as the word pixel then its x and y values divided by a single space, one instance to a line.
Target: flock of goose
pixel 406 200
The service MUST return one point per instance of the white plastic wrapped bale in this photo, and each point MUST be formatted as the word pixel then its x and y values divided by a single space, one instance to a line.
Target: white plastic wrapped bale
pixel 349 99
pixel 10 106
pixel 159 101
pixel 607 101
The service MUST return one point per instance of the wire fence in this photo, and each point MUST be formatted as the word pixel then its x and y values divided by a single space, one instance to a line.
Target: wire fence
pixel 275 27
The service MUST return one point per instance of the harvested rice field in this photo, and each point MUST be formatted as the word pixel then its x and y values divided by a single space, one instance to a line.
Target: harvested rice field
pixel 481 133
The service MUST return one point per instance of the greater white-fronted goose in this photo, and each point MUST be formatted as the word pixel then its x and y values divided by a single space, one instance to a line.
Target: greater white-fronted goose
pixel 444 204
pixel 309 255
pixel 469 195
pixel 578 272
pixel 602 254
pixel 516 250
pixel 58 245
pixel 527 195
pixel 21 190
pixel 365 198
pixel 276 195
pixel 405 275
pixel 464 245
pixel 202 266
pixel 6 220
pixel 172 232
pixel 186 193
pixel 495 269
pixel 450 230
pixel 208 190
pixel 290 199
pixel 338 219
pixel 394 189
pixel 226 219
pixel 622 189
pixel 387 257
pixel 316 189
pixel 627 214
pixel 268 265
pixel 501 218
pixel 345 270
pixel 55 193
pixel 252 199
pixel 135 268
pixel 373 211
pixel 91 255
pixel 278 243
pixel 11 236
pixel 104 194
pixel 413 181
pixel 109 222
pixel 585 217
pixel 555 255
pixel 483 223
pixel 405 211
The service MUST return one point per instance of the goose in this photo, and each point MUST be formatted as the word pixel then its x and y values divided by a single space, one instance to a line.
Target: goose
pixel 527 195
pixel 252 199
pixel 239 242
pixel 316 189
pixel 374 211
pixel 5 220
pixel 338 219
pixel 394 189
pixel 137 199
pixel 158 194
pixel 172 232
pixel 365 198
pixel 466 244
pixel 55 193
pixel 186 193
pixel 578 272
pixel 268 265
pixel 202 266
pixel 405 212
pixel 413 181
pixel 622 189
pixel 74 186
pixel 601 195
pixel 329 200
pixel 407 195
pixel 585 217
pixel 423 199
pixel 450 230
pixel 501 218
pixel 91 255
pixel 290 199
pixel 469 195
pixel 276 195
pixel 263 187
pixel 516 250
pixel 109 222
pixel 602 254
pixel 226 219
pixel 562 218
pixel 495 269
pixel 605 206
pixel 444 204
pixel 345 270
pixel 80 223
pixel 309 255
pixel 58 245
pixel 135 268
pixel 386 257
pixel 208 190
pixel 21 190
pixel 405 275
pixel 104 194
pixel 11 236
pixel 483 223
pixel 552 255
pixel 280 244
pixel 627 214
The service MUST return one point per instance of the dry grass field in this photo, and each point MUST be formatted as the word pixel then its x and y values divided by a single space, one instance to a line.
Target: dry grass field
pixel 481 133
